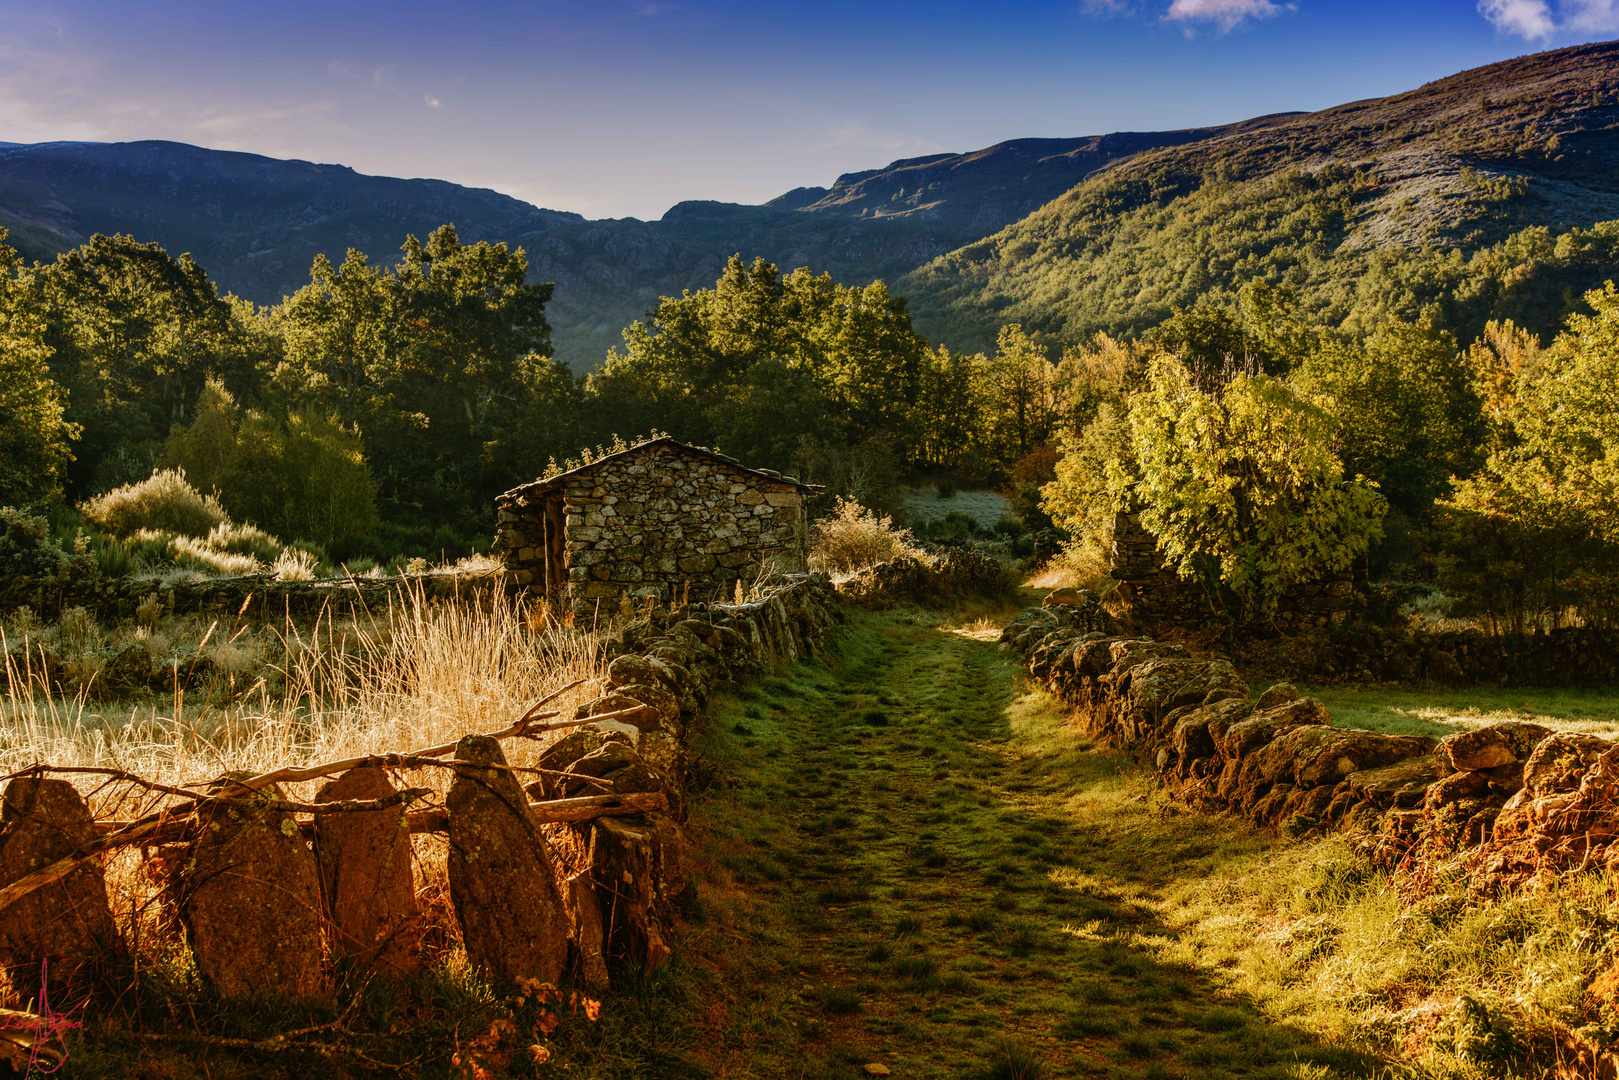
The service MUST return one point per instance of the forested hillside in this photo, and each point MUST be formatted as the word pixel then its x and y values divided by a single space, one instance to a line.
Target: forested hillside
pixel 1477 193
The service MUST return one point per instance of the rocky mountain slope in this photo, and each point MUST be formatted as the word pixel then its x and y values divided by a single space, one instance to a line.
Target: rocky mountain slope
pixel 1331 203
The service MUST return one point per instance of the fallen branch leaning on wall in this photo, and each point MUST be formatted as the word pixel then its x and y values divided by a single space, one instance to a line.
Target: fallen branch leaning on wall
pixel 154 827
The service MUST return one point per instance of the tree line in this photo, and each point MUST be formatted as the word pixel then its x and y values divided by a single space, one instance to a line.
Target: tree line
pixel 380 407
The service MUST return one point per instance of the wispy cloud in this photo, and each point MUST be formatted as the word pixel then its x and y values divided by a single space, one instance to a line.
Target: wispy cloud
pixel 1226 14
pixel 432 102
pixel 1537 20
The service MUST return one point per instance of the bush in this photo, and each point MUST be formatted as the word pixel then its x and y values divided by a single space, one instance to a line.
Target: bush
pixel 26 547
pixel 163 501
pixel 854 538
pixel 302 475
pixel 947 488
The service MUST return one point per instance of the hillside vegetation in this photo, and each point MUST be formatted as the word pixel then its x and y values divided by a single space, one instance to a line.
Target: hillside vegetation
pixel 1481 193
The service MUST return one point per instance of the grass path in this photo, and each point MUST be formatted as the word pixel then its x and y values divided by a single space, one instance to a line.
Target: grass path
pixel 914 865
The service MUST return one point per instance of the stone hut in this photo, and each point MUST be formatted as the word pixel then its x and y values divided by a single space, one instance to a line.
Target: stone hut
pixel 649 519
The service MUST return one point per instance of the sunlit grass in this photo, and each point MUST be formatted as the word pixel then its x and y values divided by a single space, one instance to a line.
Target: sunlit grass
pixel 1439 712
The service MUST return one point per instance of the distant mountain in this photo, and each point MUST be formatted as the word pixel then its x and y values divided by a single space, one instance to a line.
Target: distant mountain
pixel 254 223
pixel 1068 236
pixel 1369 208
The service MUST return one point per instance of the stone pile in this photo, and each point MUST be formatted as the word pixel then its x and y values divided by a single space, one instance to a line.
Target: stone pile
pixel 953 574
pixel 1149 595
pixel 267 912
pixel 1516 798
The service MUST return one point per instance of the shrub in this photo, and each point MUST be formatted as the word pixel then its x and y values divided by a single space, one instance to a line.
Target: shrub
pixel 163 501
pixel 295 564
pixel 947 488
pixel 26 547
pixel 854 538
pixel 194 554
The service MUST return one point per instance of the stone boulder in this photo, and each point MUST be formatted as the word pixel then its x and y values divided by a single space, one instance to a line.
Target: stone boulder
pixel 1277 694
pixel 1403 785
pixel 636 714
pixel 1197 729
pixel 1294 712
pixel 1560 762
pixel 66 927
pixel 637 867
pixel 249 895
pixel 1244 737
pixel 1492 746
pixel 1332 754
pixel 366 876
pixel 502 881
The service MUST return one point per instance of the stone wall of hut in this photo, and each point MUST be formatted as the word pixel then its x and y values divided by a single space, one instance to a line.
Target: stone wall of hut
pixel 649 522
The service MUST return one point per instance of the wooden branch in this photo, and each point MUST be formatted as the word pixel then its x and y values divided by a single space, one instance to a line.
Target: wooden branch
pixel 155 828
pixel 437 820
pixel 558 811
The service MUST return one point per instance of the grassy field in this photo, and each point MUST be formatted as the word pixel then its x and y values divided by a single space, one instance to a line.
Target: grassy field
pixel 1439 712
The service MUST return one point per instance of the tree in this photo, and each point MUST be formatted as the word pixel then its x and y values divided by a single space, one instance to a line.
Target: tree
pixel 1409 413
pixel 301 476
pixel 1022 397
pixel 761 360
pixel 438 361
pixel 133 334
pixel 34 435
pixel 1243 486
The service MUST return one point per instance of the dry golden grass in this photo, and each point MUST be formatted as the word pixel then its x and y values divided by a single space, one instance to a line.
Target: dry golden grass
pixel 419 674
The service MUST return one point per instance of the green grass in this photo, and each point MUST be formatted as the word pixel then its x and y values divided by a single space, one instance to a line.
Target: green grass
pixel 1440 712
pixel 990 896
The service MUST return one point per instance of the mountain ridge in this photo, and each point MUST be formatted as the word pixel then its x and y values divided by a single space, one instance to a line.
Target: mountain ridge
pixel 971 239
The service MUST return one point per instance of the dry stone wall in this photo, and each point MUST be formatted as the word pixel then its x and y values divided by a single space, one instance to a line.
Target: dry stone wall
pixel 1148 595
pixel 1511 800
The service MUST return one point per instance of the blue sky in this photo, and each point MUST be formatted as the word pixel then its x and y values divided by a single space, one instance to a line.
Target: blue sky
pixel 624 107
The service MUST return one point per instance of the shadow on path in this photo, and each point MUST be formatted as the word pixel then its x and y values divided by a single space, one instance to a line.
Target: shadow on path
pixel 914 864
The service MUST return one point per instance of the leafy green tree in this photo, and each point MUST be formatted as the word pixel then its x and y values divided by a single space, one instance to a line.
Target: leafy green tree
pixel 34 435
pixel 438 361
pixel 947 423
pixel 133 334
pixel 1410 417
pixel 1243 487
pixel 1022 394
pixel 761 360
pixel 303 476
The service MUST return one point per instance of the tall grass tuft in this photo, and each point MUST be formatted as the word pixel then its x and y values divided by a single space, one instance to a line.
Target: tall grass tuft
pixel 163 501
